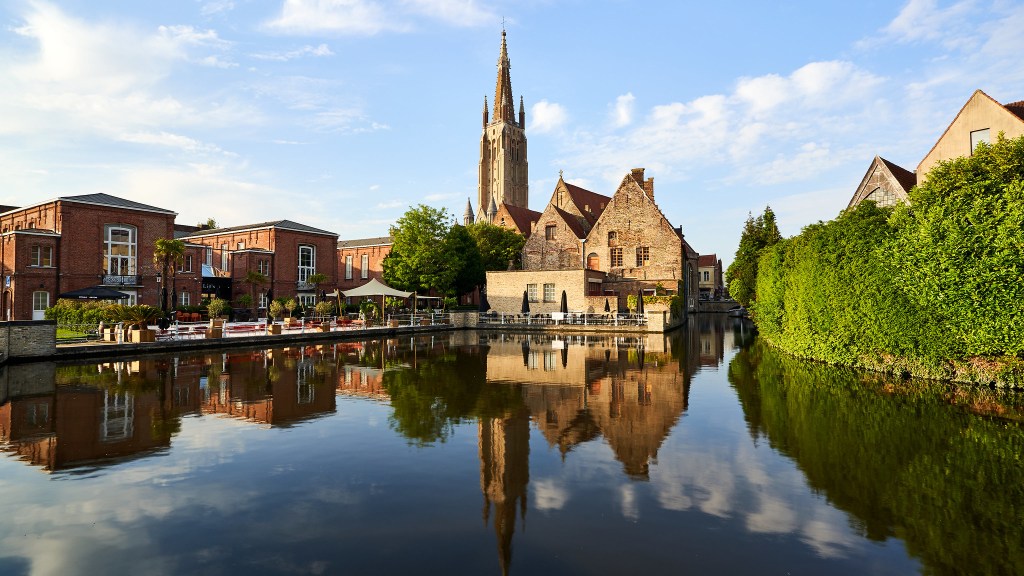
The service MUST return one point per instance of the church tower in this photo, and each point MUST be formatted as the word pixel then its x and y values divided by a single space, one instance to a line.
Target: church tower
pixel 503 176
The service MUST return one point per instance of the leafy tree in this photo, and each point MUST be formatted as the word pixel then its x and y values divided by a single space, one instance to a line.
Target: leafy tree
pixel 498 245
pixel 417 260
pixel 210 223
pixel 167 255
pixel 758 233
pixel 460 249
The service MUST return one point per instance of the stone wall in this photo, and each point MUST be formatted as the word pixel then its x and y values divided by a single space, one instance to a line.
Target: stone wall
pixel 560 252
pixel 20 339
pixel 505 290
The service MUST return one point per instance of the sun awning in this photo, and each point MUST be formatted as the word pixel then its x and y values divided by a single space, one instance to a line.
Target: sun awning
pixel 95 293
pixel 375 288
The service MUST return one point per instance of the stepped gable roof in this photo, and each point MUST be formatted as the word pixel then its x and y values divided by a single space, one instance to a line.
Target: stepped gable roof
pixel 280 224
pixel 522 217
pixel 366 242
pixel 707 260
pixel 583 198
pixel 906 178
pixel 114 201
pixel 572 221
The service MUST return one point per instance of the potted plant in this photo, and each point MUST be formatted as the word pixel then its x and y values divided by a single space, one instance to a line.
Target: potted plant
pixel 137 320
pixel 291 304
pixel 275 311
pixel 214 309
pixel 325 310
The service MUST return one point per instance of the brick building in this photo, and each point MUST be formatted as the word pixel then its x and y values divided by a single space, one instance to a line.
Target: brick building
pixel 596 247
pixel 361 260
pixel 76 242
pixel 285 252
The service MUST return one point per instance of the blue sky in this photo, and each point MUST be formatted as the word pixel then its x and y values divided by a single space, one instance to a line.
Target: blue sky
pixel 342 113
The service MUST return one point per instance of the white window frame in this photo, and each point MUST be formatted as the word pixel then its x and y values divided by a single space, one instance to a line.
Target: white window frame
pixel 263 300
pixel 186 263
pixel 348 267
pixel 531 293
pixel 264 266
pixel 225 257
pixel 37 256
pixel 549 292
pixel 40 300
pixel 364 266
pixel 184 299
pixel 307 270
pixel 978 136
pixel 120 264
pixel 307 301
pixel 209 255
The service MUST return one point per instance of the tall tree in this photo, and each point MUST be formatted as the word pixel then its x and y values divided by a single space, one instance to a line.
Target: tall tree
pixel 498 245
pixel 167 255
pixel 418 259
pixel 758 233
pixel 461 251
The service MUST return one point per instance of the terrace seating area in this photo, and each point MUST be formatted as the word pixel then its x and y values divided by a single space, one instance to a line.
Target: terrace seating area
pixel 564 318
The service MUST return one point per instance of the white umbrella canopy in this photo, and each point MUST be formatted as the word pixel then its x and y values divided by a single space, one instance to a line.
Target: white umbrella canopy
pixel 375 288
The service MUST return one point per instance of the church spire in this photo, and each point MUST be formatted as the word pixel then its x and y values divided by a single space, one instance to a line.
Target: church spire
pixel 467 216
pixel 485 111
pixel 522 113
pixel 504 104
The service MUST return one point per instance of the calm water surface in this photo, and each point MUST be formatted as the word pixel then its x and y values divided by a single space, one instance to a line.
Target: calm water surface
pixel 702 452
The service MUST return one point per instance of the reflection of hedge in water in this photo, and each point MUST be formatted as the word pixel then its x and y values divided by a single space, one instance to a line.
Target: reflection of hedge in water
pixel 903 462
pixel 442 391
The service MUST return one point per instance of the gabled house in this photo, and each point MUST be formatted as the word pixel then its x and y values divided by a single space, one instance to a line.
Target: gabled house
pixel 562 229
pixel 980 120
pixel 885 183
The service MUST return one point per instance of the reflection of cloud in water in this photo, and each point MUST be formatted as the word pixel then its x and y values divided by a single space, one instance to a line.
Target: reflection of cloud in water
pixel 549 496
pixel 749 483
pixel 630 509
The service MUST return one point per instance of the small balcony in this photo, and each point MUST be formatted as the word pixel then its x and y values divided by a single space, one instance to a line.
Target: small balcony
pixel 303 286
pixel 121 280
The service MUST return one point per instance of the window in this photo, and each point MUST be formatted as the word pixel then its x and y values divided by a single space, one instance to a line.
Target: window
pixel 186 264
pixel 612 236
pixel 119 245
pixel 307 301
pixel 364 267
pixel 549 232
pixel 264 267
pixel 40 301
pixel 593 262
pixel 707 276
pixel 224 256
pixel 264 301
pixel 307 262
pixel 549 292
pixel 643 256
pixel 979 136
pixel 348 267
pixel 616 257
pixel 209 255
pixel 531 292
pixel 184 299
pixel 42 256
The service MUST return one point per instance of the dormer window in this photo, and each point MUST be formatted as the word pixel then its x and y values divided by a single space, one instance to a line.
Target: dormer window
pixel 549 232
pixel 612 236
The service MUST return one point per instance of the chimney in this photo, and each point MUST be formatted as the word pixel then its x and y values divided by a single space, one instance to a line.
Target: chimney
pixel 649 188
pixel 638 176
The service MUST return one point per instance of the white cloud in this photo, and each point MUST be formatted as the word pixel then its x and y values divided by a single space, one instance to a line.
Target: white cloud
pixel 367 17
pixel 390 205
pixel 548 495
pixel 217 7
pixel 923 20
pixel 622 114
pixel 171 140
pixel 547 117
pixel 307 50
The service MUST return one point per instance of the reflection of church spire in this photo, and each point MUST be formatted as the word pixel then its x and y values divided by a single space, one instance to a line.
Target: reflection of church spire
pixel 504 445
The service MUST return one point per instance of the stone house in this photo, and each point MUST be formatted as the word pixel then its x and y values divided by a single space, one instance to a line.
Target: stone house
pixel 598 248
pixel 709 280
pixel 75 242
pixel 885 183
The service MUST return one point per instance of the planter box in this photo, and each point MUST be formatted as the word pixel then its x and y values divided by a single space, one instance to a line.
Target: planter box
pixel 273 328
pixel 143 335
pixel 325 327
pixel 393 323
pixel 109 335
pixel 214 332
pixel 424 321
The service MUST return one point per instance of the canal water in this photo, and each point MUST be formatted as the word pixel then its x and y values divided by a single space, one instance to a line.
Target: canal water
pixel 699 452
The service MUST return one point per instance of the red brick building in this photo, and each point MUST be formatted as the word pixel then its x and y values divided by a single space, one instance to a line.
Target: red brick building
pixel 360 260
pixel 75 242
pixel 286 252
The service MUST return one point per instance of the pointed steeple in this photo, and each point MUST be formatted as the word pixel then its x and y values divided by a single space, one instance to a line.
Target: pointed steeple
pixel 522 113
pixel 467 216
pixel 504 104
pixel 492 210
pixel 485 111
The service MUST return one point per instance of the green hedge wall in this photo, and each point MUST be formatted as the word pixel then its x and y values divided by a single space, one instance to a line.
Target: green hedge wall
pixel 910 289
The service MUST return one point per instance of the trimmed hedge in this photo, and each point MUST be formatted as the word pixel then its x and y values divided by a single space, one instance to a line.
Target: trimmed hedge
pixel 927 289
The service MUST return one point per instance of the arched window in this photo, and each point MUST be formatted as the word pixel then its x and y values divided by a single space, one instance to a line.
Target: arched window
pixel 593 261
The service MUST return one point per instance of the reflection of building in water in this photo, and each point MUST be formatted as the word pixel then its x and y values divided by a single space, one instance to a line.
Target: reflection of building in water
pixel 582 387
pixel 712 334
pixel 504 445
pixel 277 387
pixel 119 414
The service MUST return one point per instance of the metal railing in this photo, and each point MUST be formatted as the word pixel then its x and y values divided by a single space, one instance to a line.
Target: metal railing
pixel 71 333
pixel 568 318
pixel 120 280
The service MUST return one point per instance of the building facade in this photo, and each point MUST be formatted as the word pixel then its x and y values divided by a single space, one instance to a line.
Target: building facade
pixel 709 281
pixel 77 242
pixel 360 261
